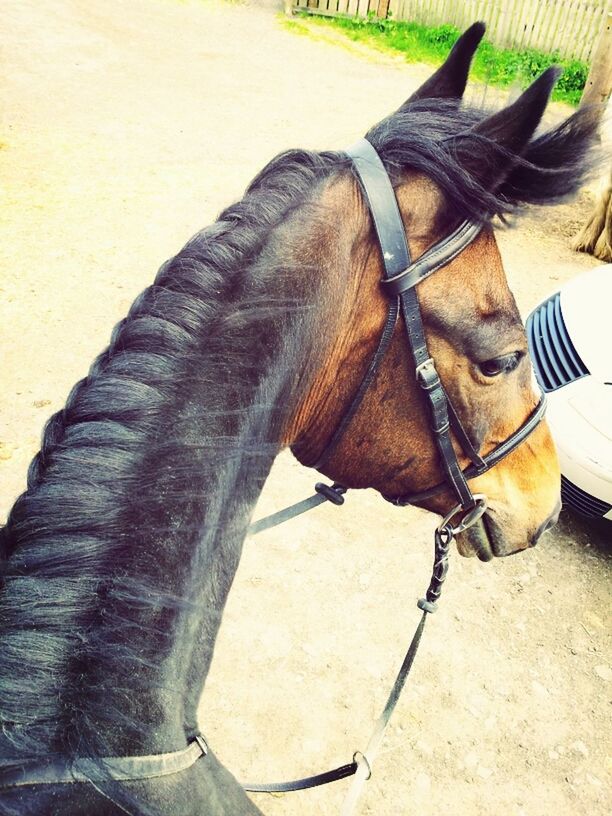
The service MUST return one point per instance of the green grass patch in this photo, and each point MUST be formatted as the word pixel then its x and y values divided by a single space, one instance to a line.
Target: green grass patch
pixel 419 43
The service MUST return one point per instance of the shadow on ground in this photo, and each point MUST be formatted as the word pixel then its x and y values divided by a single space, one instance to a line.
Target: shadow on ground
pixel 593 533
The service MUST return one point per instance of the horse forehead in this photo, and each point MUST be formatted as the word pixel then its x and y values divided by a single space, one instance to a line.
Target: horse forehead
pixel 470 299
pixel 473 287
pixel 420 203
pixel 477 271
pixel 476 279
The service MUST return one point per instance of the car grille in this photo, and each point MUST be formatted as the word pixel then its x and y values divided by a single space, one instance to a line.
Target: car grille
pixel 581 502
pixel 555 360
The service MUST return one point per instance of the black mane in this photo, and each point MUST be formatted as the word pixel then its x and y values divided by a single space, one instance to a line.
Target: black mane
pixel 86 488
pixel 434 137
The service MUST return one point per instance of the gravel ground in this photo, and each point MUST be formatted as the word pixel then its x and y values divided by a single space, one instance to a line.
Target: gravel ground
pixel 126 127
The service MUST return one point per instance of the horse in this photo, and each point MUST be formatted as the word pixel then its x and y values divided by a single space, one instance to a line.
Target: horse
pixel 118 558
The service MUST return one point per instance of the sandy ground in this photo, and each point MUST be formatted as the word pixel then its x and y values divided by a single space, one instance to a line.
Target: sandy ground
pixel 126 127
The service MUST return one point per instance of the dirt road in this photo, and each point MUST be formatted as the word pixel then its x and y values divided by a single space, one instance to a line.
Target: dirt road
pixel 126 127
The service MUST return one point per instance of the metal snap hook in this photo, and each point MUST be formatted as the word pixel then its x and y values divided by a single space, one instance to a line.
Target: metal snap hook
pixel 468 519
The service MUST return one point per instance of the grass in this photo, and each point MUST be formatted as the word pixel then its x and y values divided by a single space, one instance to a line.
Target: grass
pixel 419 43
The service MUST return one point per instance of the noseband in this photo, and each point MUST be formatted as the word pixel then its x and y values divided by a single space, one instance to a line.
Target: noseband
pixel 401 276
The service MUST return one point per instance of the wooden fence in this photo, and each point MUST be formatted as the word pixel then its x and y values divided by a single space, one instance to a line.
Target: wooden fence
pixel 569 27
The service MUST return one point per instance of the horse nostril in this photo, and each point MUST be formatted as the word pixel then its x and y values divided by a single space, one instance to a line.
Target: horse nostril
pixel 550 522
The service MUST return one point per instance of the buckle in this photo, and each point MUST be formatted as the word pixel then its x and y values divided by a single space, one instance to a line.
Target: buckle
pixel 202 743
pixel 426 374
pixel 469 518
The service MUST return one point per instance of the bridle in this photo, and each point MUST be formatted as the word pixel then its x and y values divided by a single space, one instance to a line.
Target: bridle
pixel 401 276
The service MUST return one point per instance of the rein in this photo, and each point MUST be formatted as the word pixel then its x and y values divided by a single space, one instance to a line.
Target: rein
pixel 401 276
pixel 362 763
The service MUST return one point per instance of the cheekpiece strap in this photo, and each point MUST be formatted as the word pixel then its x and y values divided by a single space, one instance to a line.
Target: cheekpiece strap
pixel 395 253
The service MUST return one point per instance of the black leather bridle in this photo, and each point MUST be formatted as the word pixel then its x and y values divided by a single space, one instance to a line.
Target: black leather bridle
pixel 401 277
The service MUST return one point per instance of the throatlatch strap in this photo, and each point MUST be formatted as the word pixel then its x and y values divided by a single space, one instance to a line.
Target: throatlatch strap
pixel 396 257
pixel 381 350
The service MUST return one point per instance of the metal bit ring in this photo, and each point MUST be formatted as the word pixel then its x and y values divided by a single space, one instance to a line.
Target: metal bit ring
pixel 469 518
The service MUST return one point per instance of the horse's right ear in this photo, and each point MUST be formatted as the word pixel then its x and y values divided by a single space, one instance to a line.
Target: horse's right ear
pixel 450 79
pixel 510 130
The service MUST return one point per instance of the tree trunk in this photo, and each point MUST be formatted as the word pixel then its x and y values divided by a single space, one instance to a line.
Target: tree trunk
pixel 596 235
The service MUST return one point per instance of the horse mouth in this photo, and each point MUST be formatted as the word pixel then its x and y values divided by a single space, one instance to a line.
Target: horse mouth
pixel 485 540
pixel 479 540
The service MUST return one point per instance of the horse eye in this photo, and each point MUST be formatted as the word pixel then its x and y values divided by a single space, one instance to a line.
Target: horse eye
pixel 500 365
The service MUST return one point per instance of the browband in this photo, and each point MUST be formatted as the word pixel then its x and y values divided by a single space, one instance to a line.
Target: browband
pixel 433 259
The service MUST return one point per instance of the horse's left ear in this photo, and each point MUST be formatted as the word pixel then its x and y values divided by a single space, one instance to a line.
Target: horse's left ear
pixel 450 79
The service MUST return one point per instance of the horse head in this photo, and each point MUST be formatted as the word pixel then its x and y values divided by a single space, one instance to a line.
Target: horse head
pixel 447 163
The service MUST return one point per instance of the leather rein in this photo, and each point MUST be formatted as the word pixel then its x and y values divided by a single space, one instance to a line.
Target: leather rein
pixel 401 275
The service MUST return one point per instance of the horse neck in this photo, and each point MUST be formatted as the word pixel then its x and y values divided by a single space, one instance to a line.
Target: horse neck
pixel 131 529
pixel 161 565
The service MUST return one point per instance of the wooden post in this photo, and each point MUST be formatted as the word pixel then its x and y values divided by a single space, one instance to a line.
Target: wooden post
pixel 288 7
pixel 382 9
pixel 599 82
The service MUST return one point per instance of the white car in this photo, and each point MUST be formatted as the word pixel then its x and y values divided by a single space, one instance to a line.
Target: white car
pixel 570 342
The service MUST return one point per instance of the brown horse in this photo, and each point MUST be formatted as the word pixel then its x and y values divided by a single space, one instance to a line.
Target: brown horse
pixel 117 560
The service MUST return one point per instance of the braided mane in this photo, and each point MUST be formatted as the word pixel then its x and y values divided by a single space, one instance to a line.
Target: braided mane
pixel 86 488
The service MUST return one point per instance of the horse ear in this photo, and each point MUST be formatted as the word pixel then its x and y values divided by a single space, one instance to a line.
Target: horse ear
pixel 510 129
pixel 450 79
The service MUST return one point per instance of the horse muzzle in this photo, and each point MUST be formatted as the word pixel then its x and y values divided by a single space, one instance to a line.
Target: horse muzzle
pixel 490 538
